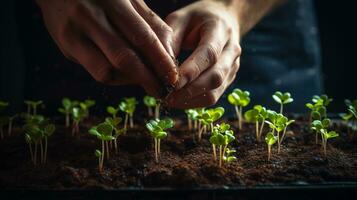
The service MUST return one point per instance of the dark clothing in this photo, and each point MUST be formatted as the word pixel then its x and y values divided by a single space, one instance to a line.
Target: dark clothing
pixel 280 53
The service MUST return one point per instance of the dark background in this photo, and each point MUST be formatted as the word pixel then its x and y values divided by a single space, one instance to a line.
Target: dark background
pixel 337 34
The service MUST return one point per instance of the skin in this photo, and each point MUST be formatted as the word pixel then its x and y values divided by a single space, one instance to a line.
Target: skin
pixel 112 38
pixel 212 29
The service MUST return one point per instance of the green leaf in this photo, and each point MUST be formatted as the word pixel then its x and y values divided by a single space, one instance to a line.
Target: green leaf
pixel 49 129
pixel 161 135
pixel 105 129
pixel 149 101
pixel 93 131
pixel 66 102
pixel 166 123
pixel 271 139
pixel 98 153
pixel 231 158
pixel 112 110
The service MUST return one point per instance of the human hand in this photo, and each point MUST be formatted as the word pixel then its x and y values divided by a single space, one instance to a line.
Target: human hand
pixel 212 30
pixel 107 37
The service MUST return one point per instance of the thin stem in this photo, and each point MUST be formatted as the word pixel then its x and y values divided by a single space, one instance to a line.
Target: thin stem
pixel 214 152
pixel 159 147
pixel 126 122
pixel 240 117
pixel 283 136
pixel 211 126
pixel 116 145
pixel 102 157
pixel 157 111
pixel 278 133
pixel 156 156
pixel 237 114
pixel 269 152
pixel 107 147
pixel 220 155
pixel 200 132
pixel 257 130
pixel 131 121
pixel 281 108
pixel 195 125
pixel 99 165
pixel 261 131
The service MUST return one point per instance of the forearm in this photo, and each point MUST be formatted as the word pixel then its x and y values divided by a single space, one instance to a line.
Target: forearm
pixel 249 12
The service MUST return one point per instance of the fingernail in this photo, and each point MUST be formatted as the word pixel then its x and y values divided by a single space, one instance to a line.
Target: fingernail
pixel 181 82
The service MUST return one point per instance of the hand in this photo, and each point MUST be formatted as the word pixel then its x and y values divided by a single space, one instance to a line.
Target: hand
pixel 107 37
pixel 212 30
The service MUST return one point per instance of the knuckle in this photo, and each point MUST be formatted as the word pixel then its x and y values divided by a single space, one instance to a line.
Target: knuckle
pixel 212 53
pixel 217 79
pixel 145 37
pixel 121 57
pixel 237 49
pixel 173 16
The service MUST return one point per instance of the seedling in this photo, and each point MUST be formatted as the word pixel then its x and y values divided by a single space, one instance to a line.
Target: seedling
pixel 37 130
pixel 282 99
pixel 277 123
pixel 222 136
pixel 318 107
pixel 317 125
pixel 104 133
pixel 114 122
pixel 325 136
pixel 86 105
pixel 78 114
pixel 157 129
pixel 66 109
pixel 239 99
pixel 257 115
pixel 270 139
pixel 208 117
pixel 32 105
pixel 192 115
pixel 351 116
pixel 150 103
pixel 128 106
pixel 113 111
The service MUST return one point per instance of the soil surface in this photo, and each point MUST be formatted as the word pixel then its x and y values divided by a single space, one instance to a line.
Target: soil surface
pixel 184 163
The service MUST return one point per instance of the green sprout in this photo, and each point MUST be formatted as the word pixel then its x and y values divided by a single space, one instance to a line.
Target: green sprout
pixel 37 130
pixel 317 125
pixel 282 99
pixel 157 129
pixel 239 99
pixel 128 106
pixel 113 111
pixel 318 107
pixel 32 105
pixel 278 123
pixel 270 139
pixel 104 133
pixel 351 116
pixel 257 115
pixel 150 103
pixel 78 114
pixel 325 136
pixel 66 109
pixel 207 118
pixel 222 136
pixel 114 122
pixel 192 115
pixel 86 105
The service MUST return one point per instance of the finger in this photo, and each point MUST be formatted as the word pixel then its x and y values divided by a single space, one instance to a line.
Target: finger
pixel 162 30
pixel 214 38
pixel 122 58
pixel 212 78
pixel 143 38
pixel 178 24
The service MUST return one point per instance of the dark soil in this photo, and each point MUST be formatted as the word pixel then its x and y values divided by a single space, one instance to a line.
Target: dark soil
pixel 184 163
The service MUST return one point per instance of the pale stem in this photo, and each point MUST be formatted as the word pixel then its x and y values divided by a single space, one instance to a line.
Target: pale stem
pixel 200 132
pixel 257 130
pixel 211 126
pixel 214 152
pixel 157 111
pixel 237 113
pixel 102 157
pixel 204 129
pixel 126 122
pixel 116 145
pixel 158 147
pixel 283 136
pixel 278 133
pixel 220 155
pixel 240 117
pixel 261 130
pixel 195 125
pixel 107 147
pixel 269 152
pixel 149 111
pixel 156 156
pixel 99 166
pixel 281 108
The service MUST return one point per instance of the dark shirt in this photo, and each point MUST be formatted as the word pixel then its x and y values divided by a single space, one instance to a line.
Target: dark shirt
pixel 280 53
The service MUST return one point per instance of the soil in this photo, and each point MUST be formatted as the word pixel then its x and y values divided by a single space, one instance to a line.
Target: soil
pixel 184 163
